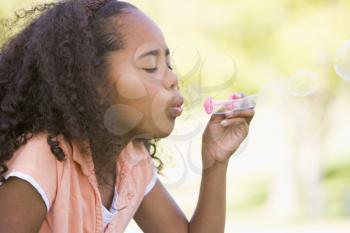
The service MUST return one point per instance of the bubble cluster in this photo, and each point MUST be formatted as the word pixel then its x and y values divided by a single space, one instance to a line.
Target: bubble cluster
pixel 342 61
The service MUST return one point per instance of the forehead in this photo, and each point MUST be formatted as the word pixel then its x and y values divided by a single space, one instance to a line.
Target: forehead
pixel 139 31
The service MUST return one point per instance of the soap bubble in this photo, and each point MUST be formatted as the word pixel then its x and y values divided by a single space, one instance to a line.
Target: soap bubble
pixel 113 119
pixel 186 129
pixel 193 97
pixel 303 83
pixel 194 161
pixel 342 61
pixel 186 61
pixel 218 72
pixel 175 170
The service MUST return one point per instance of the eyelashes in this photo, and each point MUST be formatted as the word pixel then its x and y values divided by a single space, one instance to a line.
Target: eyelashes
pixel 153 70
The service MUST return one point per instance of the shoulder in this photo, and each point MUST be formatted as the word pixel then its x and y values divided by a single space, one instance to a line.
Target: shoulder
pixel 38 149
pixel 35 163
pixel 136 154
pixel 36 158
pixel 145 170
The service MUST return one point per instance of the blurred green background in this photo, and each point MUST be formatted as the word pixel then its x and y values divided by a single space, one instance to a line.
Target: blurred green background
pixel 292 174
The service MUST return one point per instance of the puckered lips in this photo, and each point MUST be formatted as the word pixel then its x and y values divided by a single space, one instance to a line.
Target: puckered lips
pixel 176 106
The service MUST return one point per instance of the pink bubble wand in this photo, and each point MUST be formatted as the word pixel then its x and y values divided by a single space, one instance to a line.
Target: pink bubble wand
pixel 233 104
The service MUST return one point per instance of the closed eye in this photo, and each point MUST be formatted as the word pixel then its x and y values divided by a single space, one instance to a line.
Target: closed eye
pixel 151 70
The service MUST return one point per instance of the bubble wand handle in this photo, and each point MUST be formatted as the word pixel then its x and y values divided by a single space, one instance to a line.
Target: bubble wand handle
pixel 230 105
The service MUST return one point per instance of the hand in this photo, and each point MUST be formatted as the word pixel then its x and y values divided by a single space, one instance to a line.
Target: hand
pixel 223 135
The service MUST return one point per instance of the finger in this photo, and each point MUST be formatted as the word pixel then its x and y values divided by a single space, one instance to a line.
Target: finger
pixel 234 121
pixel 248 113
pixel 237 95
pixel 249 119
pixel 216 117
pixel 241 94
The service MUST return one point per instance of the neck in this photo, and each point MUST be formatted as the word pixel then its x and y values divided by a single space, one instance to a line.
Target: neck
pixel 106 167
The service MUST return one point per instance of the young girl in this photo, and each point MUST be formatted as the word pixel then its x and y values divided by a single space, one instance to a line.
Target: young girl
pixel 85 89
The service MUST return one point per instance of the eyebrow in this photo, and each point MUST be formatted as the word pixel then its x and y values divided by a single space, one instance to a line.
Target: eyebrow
pixel 154 52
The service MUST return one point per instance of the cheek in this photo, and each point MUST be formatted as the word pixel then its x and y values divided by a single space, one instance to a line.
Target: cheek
pixel 148 98
pixel 130 86
pixel 158 111
pixel 119 119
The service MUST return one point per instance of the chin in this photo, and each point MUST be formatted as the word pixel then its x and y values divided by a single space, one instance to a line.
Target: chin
pixel 161 130
pixel 163 133
pixel 160 134
pixel 154 135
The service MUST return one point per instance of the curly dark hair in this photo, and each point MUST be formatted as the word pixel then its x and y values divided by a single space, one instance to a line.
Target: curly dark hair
pixel 50 72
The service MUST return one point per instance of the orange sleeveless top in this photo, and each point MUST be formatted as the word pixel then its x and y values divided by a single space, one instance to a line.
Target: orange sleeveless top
pixel 70 190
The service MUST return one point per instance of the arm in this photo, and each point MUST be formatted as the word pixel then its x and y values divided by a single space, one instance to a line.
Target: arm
pixel 210 212
pixel 158 213
pixel 22 208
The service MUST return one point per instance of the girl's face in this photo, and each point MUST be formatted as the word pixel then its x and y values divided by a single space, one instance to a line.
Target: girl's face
pixel 147 96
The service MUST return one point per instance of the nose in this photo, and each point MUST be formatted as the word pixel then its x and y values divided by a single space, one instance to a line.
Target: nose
pixel 172 81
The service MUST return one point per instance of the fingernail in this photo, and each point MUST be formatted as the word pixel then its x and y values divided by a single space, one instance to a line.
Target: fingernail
pixel 234 96
pixel 228 115
pixel 223 122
